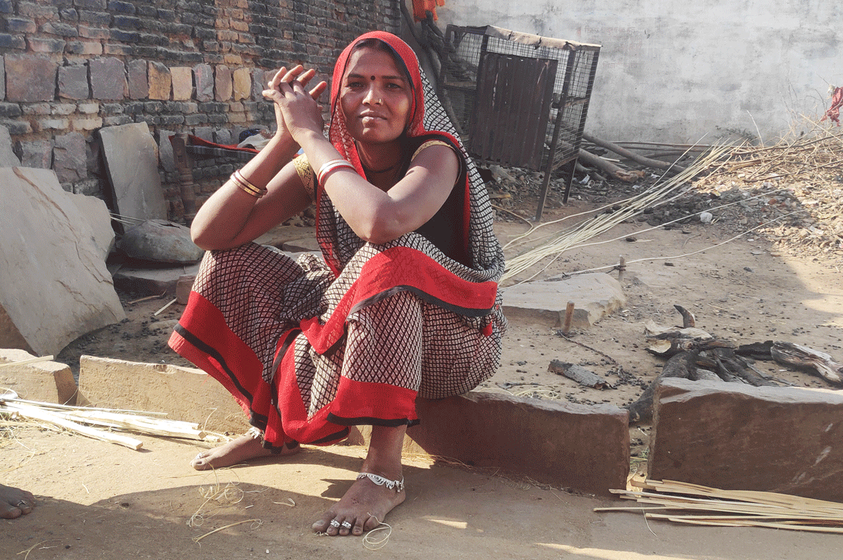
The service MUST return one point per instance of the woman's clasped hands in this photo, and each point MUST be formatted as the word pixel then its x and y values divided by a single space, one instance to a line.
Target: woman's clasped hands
pixel 296 109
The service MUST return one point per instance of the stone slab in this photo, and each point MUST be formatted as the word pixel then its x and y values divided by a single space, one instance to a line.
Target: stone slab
pixel 183 393
pixel 54 284
pixel 7 156
pixel 594 297
pixel 99 218
pixel 131 157
pixel 737 437
pixel 46 381
pixel 584 448
pixel 152 281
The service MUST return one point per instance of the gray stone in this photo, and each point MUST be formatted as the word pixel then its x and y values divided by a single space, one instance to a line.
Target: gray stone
pixel 131 158
pixel 7 156
pixel 108 78
pixel 160 241
pixel 54 285
pixel 165 150
pixel 73 82
pixel 152 281
pixel 38 153
pixel 30 78
pixel 98 216
pixel 739 437
pixel 138 83
pixel 203 74
pixel 223 84
pixel 70 160
pixel 594 296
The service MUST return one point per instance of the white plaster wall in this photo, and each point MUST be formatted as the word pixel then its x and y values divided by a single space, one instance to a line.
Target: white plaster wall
pixel 679 71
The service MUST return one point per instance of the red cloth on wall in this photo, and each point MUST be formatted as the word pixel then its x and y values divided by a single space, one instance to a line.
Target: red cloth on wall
pixel 833 112
pixel 421 7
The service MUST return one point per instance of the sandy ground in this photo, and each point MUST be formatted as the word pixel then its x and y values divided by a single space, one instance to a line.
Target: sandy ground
pixel 102 501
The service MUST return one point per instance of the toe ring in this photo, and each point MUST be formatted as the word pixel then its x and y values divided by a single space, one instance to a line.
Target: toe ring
pixel 346 525
pixel 334 523
pixel 20 504
pixel 397 485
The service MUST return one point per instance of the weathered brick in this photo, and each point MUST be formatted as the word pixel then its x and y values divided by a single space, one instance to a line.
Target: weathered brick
pixel 86 123
pixel 121 7
pixel 62 109
pixel 91 4
pixel 89 32
pixel 69 15
pixel 87 48
pixel 20 25
pixel 117 120
pixel 98 19
pixel 52 124
pixel 89 108
pixel 38 11
pixel 17 128
pixel 58 28
pixel 10 110
pixel 36 109
pixel 9 41
pixel 108 78
pixel 197 119
pixel 30 78
pixel 73 82
pixel 45 44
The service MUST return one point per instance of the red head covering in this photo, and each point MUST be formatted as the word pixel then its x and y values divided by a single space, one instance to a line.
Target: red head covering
pixel 338 131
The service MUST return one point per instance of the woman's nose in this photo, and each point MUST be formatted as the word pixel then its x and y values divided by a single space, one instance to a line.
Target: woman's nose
pixel 372 95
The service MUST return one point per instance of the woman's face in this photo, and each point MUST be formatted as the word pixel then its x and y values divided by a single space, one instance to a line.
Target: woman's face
pixel 375 97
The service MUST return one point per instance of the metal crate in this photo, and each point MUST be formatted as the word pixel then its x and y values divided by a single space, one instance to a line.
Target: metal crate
pixel 519 99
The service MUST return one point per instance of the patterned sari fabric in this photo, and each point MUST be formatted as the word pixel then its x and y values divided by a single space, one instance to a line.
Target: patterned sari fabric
pixel 313 346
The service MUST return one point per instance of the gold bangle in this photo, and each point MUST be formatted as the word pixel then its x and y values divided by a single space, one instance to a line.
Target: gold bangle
pixel 246 186
pixel 246 182
pixel 329 166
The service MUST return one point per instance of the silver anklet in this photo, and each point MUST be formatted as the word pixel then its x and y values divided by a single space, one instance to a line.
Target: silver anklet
pixel 255 433
pixel 397 485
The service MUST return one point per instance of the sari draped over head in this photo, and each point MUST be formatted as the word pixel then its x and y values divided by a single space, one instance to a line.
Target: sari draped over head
pixel 312 346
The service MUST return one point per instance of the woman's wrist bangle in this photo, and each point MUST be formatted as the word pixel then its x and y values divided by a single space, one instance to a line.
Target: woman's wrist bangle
pixel 330 166
pixel 244 185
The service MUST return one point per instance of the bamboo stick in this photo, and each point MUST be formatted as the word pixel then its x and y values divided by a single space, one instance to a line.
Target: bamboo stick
pixel 27 361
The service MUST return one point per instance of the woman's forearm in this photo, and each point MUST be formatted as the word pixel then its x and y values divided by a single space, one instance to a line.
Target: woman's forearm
pixel 223 217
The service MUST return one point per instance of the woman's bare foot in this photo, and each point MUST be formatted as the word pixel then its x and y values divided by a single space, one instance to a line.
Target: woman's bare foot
pixel 369 499
pixel 15 502
pixel 235 451
pixel 361 509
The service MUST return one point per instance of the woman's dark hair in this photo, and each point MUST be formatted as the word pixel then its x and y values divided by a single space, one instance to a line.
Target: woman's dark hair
pixel 378 45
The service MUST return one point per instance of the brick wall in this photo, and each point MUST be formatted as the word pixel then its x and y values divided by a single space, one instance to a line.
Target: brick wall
pixel 71 67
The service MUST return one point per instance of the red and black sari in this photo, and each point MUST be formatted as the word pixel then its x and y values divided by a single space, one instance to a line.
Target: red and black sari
pixel 313 346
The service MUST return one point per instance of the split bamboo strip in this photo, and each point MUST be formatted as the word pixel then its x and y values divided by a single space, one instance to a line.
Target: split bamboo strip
pixel 604 222
pixel 703 505
pixel 52 418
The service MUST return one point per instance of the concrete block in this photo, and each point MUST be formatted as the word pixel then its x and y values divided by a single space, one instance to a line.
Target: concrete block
pixel 183 393
pixel 737 437
pixel 585 448
pixel 46 381
pixel 594 296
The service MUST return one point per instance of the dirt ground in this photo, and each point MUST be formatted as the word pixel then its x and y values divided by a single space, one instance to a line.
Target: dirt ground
pixel 102 501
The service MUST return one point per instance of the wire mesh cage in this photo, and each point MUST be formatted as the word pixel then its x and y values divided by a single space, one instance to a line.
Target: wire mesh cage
pixel 519 99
